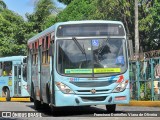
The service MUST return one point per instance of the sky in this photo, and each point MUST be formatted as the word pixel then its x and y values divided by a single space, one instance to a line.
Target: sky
pixel 24 6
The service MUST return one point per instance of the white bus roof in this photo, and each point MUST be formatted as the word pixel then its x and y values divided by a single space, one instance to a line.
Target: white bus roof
pixel 52 28
pixel 12 58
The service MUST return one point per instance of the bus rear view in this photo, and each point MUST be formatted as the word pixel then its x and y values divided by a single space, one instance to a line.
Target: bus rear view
pixel 89 64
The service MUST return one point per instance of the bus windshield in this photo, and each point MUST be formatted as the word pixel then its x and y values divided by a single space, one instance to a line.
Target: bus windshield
pixel 91 57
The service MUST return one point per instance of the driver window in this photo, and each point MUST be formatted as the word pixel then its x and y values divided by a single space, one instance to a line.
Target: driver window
pixel 7 68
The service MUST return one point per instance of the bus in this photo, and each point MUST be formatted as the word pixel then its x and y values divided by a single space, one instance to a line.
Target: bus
pixel 79 63
pixel 13 77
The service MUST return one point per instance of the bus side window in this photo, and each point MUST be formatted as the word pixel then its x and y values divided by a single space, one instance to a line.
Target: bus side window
pixel 7 68
pixel 45 50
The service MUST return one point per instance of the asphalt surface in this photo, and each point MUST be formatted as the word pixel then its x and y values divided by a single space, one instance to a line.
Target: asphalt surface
pixel 78 112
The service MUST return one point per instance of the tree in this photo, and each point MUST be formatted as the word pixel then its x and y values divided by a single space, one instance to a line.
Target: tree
pixel 149 28
pixel 65 1
pixel 51 19
pixel 123 10
pixel 2 5
pixel 43 10
pixel 77 10
pixel 12 31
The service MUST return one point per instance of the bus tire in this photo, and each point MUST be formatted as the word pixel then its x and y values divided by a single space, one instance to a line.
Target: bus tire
pixel 37 103
pixel 7 92
pixel 111 108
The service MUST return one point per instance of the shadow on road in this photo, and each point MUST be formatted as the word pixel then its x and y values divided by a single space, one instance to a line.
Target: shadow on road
pixel 83 111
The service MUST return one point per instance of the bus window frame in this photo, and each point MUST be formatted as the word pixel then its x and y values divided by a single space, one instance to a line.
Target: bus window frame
pixel 45 49
pixel 34 53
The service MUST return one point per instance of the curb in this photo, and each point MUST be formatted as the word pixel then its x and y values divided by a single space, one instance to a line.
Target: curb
pixel 143 103
pixel 16 99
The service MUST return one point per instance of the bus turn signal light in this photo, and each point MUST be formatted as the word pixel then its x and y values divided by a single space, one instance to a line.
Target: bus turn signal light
pixel 120 98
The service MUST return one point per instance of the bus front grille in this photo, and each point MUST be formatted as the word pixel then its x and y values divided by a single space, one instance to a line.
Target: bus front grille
pixel 93 83
pixel 86 99
pixel 97 91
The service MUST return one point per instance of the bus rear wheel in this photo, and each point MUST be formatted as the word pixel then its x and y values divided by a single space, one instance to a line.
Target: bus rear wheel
pixel 111 108
pixel 7 94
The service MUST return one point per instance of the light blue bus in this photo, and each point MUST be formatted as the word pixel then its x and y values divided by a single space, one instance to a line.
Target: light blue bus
pixel 13 77
pixel 79 63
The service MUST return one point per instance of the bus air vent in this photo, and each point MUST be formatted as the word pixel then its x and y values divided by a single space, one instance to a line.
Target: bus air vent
pixel 101 98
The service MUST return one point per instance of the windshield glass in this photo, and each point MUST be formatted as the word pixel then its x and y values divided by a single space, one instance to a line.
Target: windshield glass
pixel 91 57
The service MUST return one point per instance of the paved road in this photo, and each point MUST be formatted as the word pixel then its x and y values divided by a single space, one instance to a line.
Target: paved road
pixel 78 112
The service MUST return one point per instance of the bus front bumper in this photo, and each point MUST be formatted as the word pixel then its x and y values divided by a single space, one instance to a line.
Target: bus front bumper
pixel 62 99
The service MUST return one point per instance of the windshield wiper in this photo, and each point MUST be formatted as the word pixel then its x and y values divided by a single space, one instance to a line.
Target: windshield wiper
pixel 78 44
pixel 82 49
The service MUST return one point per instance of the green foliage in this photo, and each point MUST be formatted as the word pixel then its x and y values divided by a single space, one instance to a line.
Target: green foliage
pixel 77 10
pixel 12 32
pixel 65 1
pixel 119 10
pixel 43 10
pixel 51 19
pixel 149 26
pixel 146 92
pixel 2 5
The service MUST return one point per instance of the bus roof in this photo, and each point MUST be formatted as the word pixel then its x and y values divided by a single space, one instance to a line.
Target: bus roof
pixel 11 58
pixel 52 28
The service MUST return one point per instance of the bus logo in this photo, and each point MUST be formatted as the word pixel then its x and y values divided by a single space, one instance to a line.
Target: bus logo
pixel 93 91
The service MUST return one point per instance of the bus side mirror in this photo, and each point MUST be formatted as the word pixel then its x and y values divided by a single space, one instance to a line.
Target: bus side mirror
pixel 51 50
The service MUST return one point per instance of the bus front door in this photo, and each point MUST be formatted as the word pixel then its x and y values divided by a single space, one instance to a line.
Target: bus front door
pixel 17 80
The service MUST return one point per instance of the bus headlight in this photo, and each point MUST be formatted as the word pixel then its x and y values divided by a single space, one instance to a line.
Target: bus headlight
pixel 64 88
pixel 121 86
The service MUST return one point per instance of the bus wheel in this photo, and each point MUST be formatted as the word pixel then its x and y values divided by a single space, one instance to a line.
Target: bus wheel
pixel 111 108
pixel 37 103
pixel 7 93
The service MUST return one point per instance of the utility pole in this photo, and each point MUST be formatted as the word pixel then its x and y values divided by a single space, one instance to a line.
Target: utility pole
pixel 136 31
